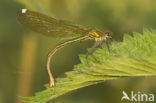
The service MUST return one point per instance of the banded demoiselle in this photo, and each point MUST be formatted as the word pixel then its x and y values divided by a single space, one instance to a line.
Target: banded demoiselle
pixel 59 28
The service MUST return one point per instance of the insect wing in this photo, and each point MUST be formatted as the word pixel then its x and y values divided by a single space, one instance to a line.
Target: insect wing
pixel 49 26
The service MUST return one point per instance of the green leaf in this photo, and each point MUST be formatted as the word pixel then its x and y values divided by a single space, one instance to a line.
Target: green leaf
pixel 135 56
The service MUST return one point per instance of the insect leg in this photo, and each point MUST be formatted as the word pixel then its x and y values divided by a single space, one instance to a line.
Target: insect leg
pixel 107 44
pixel 96 44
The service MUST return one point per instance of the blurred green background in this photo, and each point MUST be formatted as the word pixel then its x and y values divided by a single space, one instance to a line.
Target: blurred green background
pixel 23 53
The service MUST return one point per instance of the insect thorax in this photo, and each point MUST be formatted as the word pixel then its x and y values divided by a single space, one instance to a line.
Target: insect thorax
pixel 93 34
pixel 98 36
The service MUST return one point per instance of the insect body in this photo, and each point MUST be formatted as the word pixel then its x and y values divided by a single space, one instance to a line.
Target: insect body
pixel 59 28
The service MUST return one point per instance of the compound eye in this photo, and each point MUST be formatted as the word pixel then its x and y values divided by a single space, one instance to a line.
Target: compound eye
pixel 107 32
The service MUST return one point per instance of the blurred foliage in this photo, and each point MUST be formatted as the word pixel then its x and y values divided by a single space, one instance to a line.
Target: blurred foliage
pixel 120 16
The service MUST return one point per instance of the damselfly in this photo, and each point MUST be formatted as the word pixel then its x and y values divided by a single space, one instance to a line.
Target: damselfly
pixel 59 28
